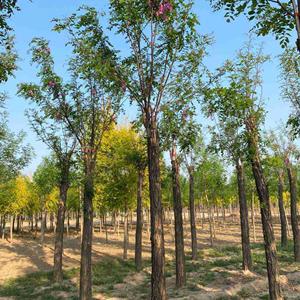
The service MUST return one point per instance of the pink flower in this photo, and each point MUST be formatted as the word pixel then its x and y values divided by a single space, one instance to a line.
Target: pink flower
pixel 164 8
pixel 30 93
pixel 51 84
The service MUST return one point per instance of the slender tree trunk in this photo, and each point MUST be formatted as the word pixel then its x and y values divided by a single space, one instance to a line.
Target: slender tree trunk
pixel 43 215
pixel 125 244
pixel 294 216
pixel 87 234
pixel 247 260
pixel 18 224
pixel 139 221
pixel 211 234
pixel 282 215
pixel 158 281
pixel 11 228
pixel 192 213
pixel 263 194
pixel 51 221
pixel 179 241
pixel 59 234
pixel 253 217
pixel 77 223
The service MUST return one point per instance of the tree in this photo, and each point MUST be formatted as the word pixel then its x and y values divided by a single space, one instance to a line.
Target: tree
pixel 88 105
pixel 279 17
pixel 239 98
pixel 46 122
pixel 161 36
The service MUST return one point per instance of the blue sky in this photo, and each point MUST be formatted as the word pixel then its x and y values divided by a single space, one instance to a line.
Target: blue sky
pixel 34 21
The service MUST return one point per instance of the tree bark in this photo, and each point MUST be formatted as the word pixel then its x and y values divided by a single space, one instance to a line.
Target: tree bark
pixel 139 221
pixel 59 234
pixel 247 260
pixel 266 218
pixel 125 244
pixel 87 234
pixel 158 281
pixel 179 241
pixel 294 216
pixel 282 215
pixel 253 217
pixel 192 213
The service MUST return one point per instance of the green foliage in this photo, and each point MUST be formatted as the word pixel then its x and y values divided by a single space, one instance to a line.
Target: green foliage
pixel 276 17
pixel 122 155
pixel 290 85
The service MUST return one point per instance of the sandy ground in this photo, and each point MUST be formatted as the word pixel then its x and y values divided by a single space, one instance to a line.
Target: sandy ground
pixel 26 255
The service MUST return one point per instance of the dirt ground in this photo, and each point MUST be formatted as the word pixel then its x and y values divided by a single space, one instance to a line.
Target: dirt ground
pixel 25 255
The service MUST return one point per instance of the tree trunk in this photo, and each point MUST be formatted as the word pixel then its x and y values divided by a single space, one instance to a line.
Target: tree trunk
pixel 51 221
pixel 282 215
pixel 158 281
pixel 192 213
pixel 266 218
pixel 253 217
pixel 139 221
pixel 59 234
pixel 77 223
pixel 179 241
pixel 247 260
pixel 11 228
pixel 125 244
pixel 87 234
pixel 294 218
pixel 43 216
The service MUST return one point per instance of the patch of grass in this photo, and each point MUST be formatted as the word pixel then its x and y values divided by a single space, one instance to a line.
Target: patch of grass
pixel 112 271
pixel 207 277
pixel 244 294
pixel 36 285
pixel 228 298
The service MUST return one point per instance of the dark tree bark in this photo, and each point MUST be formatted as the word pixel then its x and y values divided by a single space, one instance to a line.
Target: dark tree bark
pixel 192 212
pixel 283 223
pixel 247 260
pixel 77 226
pixel 125 243
pixel 60 221
pixel 87 234
pixel 179 241
pixel 294 216
pixel 158 281
pixel 139 221
pixel 275 292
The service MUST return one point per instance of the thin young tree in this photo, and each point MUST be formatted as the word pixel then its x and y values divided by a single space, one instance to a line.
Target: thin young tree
pixel 47 123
